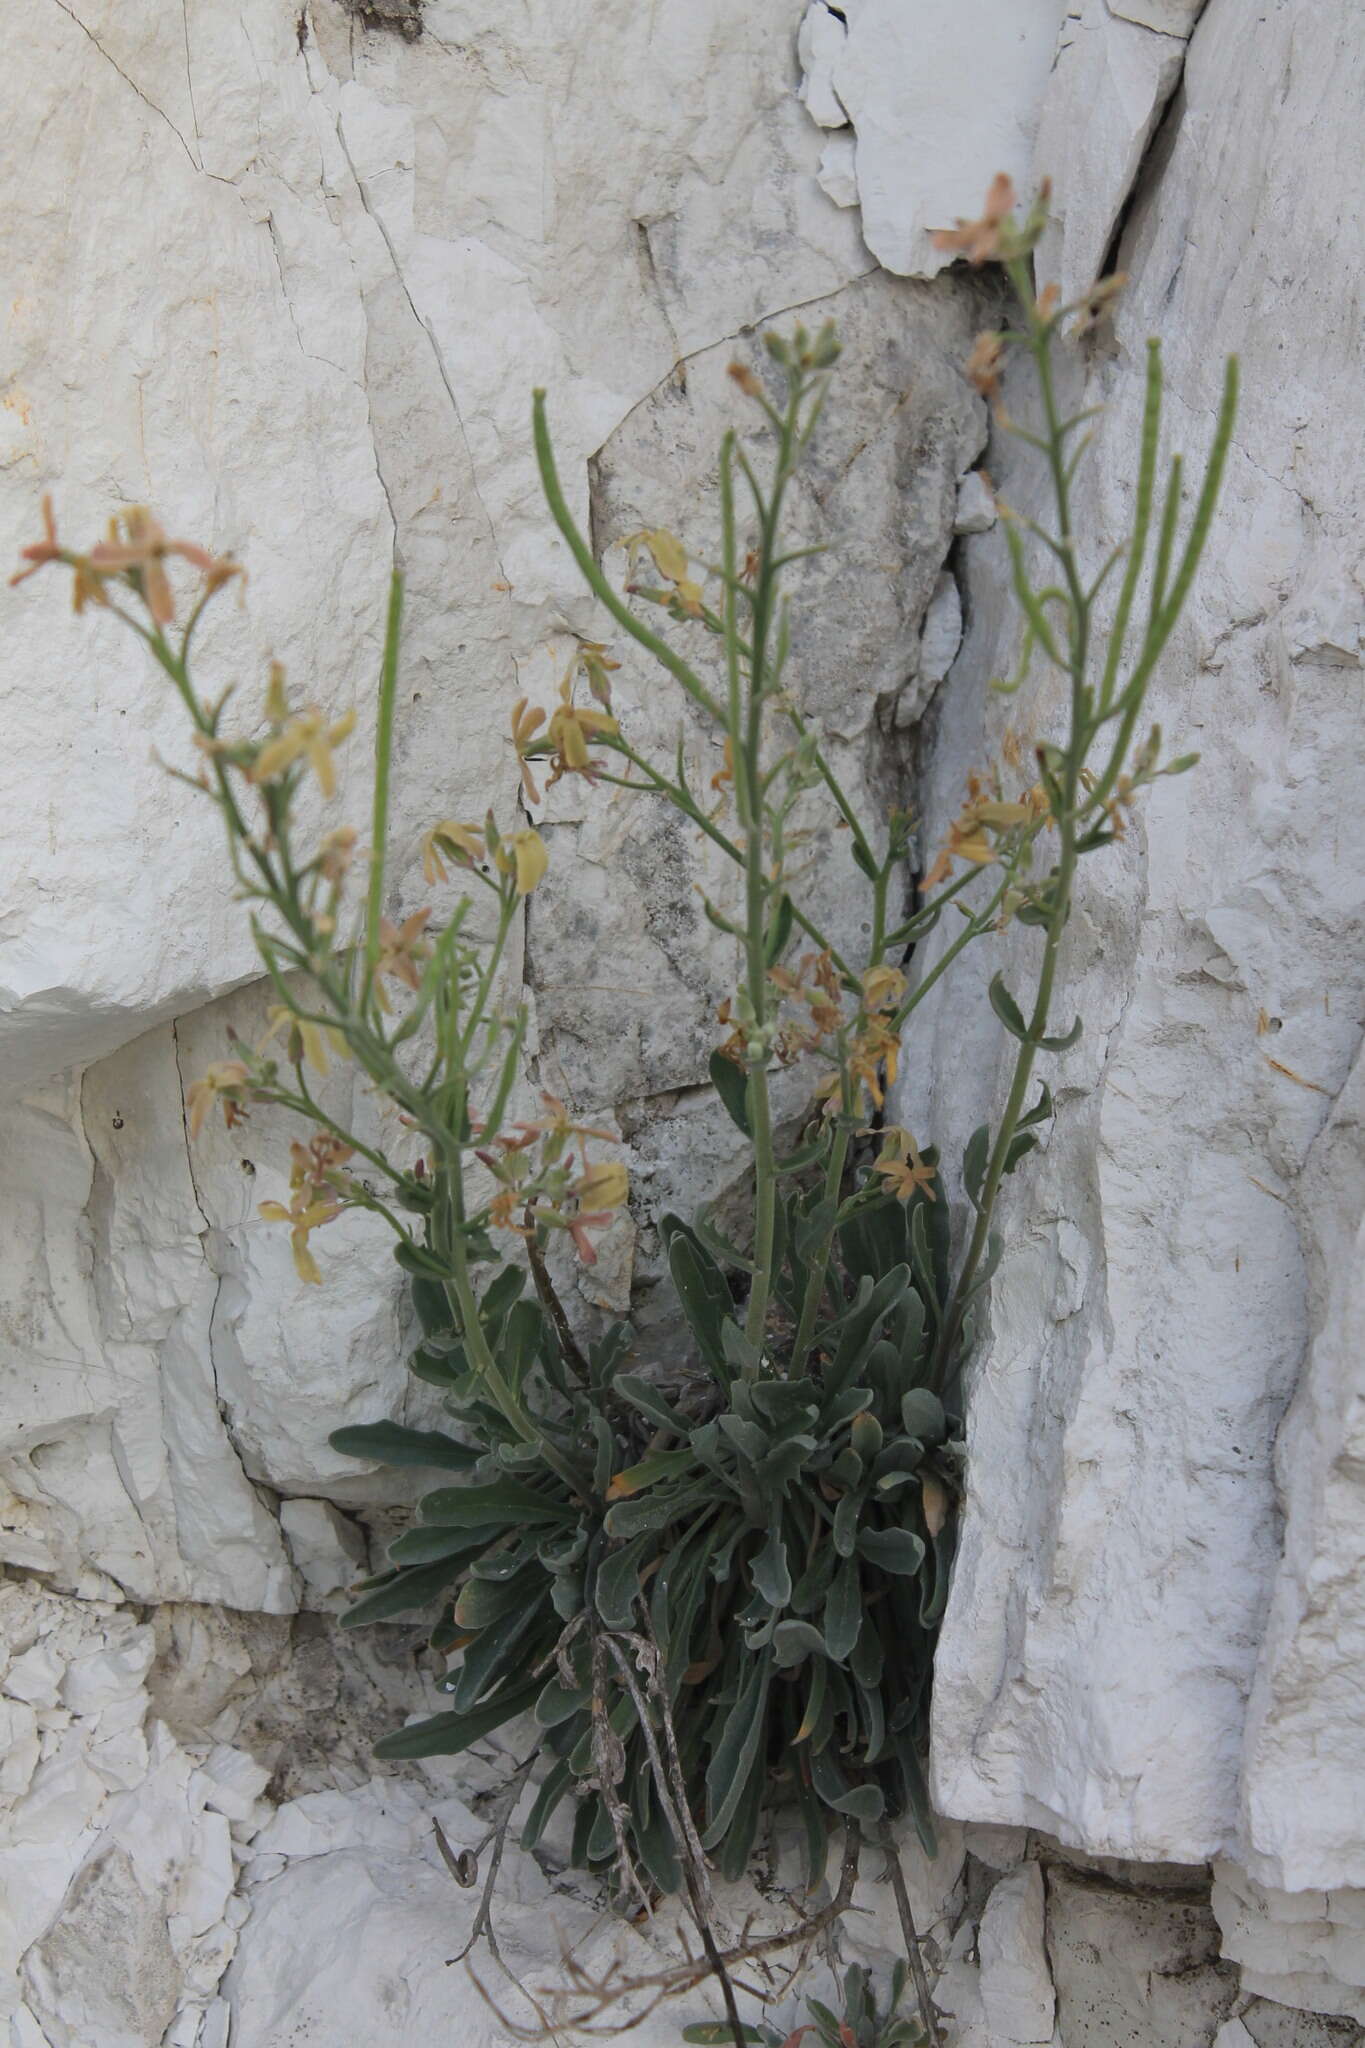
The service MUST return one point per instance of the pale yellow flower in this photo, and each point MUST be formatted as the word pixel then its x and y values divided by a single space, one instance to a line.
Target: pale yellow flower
pixel 461 843
pixel 524 855
pixel 309 733
pixel 223 1082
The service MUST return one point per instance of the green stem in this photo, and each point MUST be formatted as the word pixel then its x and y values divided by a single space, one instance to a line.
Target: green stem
pixel 383 756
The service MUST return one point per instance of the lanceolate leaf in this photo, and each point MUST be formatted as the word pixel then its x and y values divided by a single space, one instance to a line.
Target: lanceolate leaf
pixel 731 1083
pixel 389 1443
pixel 411 1589
pixel 501 1501
pixel 448 1734
pixel 1006 1009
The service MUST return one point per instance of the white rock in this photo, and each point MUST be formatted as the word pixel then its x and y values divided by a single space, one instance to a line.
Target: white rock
pixel 976 507
pixel 1016 1983
pixel 819 45
pixel 1300 1948
pixel 233 1783
pixel 1170 17
pixel 837 175
pixel 106 1677
pixel 942 95
pixel 1232 2034
pixel 1123 76
pixel 327 1551
pixel 36 1676
pixel 942 634
pixel 1122 1540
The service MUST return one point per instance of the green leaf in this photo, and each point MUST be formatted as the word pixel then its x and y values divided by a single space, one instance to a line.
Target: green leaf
pixel 500 1501
pixel 709 2032
pixel 559 1702
pixel 448 1734
pixel 737 1751
pixel 650 1402
pixel 1041 1110
pixel 618 1582
pixel 771 1572
pixel 424 1265
pixel 432 1306
pixel 974 1161
pixel 843 1616
pixel 1066 1039
pixel 416 1588
pixel 1007 1010
pixel 706 1300
pixel 779 932
pixel 793 1641
pixel 427 1546
pixel 892 1550
pixel 389 1443
pixel 923 1415
pixel 649 1471
pixel 557 1784
pixel 731 1083
pixel 1021 1144
pixel 446 1369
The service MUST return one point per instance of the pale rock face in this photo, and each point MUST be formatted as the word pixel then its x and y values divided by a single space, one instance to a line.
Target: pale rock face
pixel 1122 73
pixel 1135 1966
pixel 941 95
pixel 1300 1948
pixel 292 281
pixel 1016 1984
pixel 1187 1234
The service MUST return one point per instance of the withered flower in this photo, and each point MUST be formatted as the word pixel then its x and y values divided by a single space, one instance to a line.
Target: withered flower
pixel 225 1081
pixel 526 857
pixel 901 1168
pixel 138 545
pixel 461 843
pixel 979 240
pixel 982 367
pixel 401 950
pixel 309 733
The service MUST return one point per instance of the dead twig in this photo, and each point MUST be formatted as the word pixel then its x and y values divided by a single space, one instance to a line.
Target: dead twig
pixel 914 1955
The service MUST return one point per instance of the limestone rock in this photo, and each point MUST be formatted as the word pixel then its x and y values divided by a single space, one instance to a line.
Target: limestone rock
pixel 976 508
pixel 1016 1983
pixel 1169 1257
pixel 1300 1948
pixel 1305 1746
pixel 328 1552
pixel 1122 74
pixel 942 94
pixel 819 46
pixel 1129 1967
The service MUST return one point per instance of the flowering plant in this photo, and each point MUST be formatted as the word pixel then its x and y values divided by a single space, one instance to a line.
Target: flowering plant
pixel 712 1606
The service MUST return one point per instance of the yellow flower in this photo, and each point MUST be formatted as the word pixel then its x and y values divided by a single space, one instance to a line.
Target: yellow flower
pixel 604 1186
pixel 316 1187
pixel 980 240
pixel 401 947
pixel 306 1041
pixel 571 732
pixel 883 988
pixel 310 734
pixel 525 725
pixel 223 1082
pixel 524 855
pixel 138 547
pixel 901 1168
pixel 302 1216
pixel 460 843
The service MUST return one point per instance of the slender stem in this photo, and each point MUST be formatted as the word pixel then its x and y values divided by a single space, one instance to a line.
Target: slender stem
pixel 383 757
pixel 597 582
